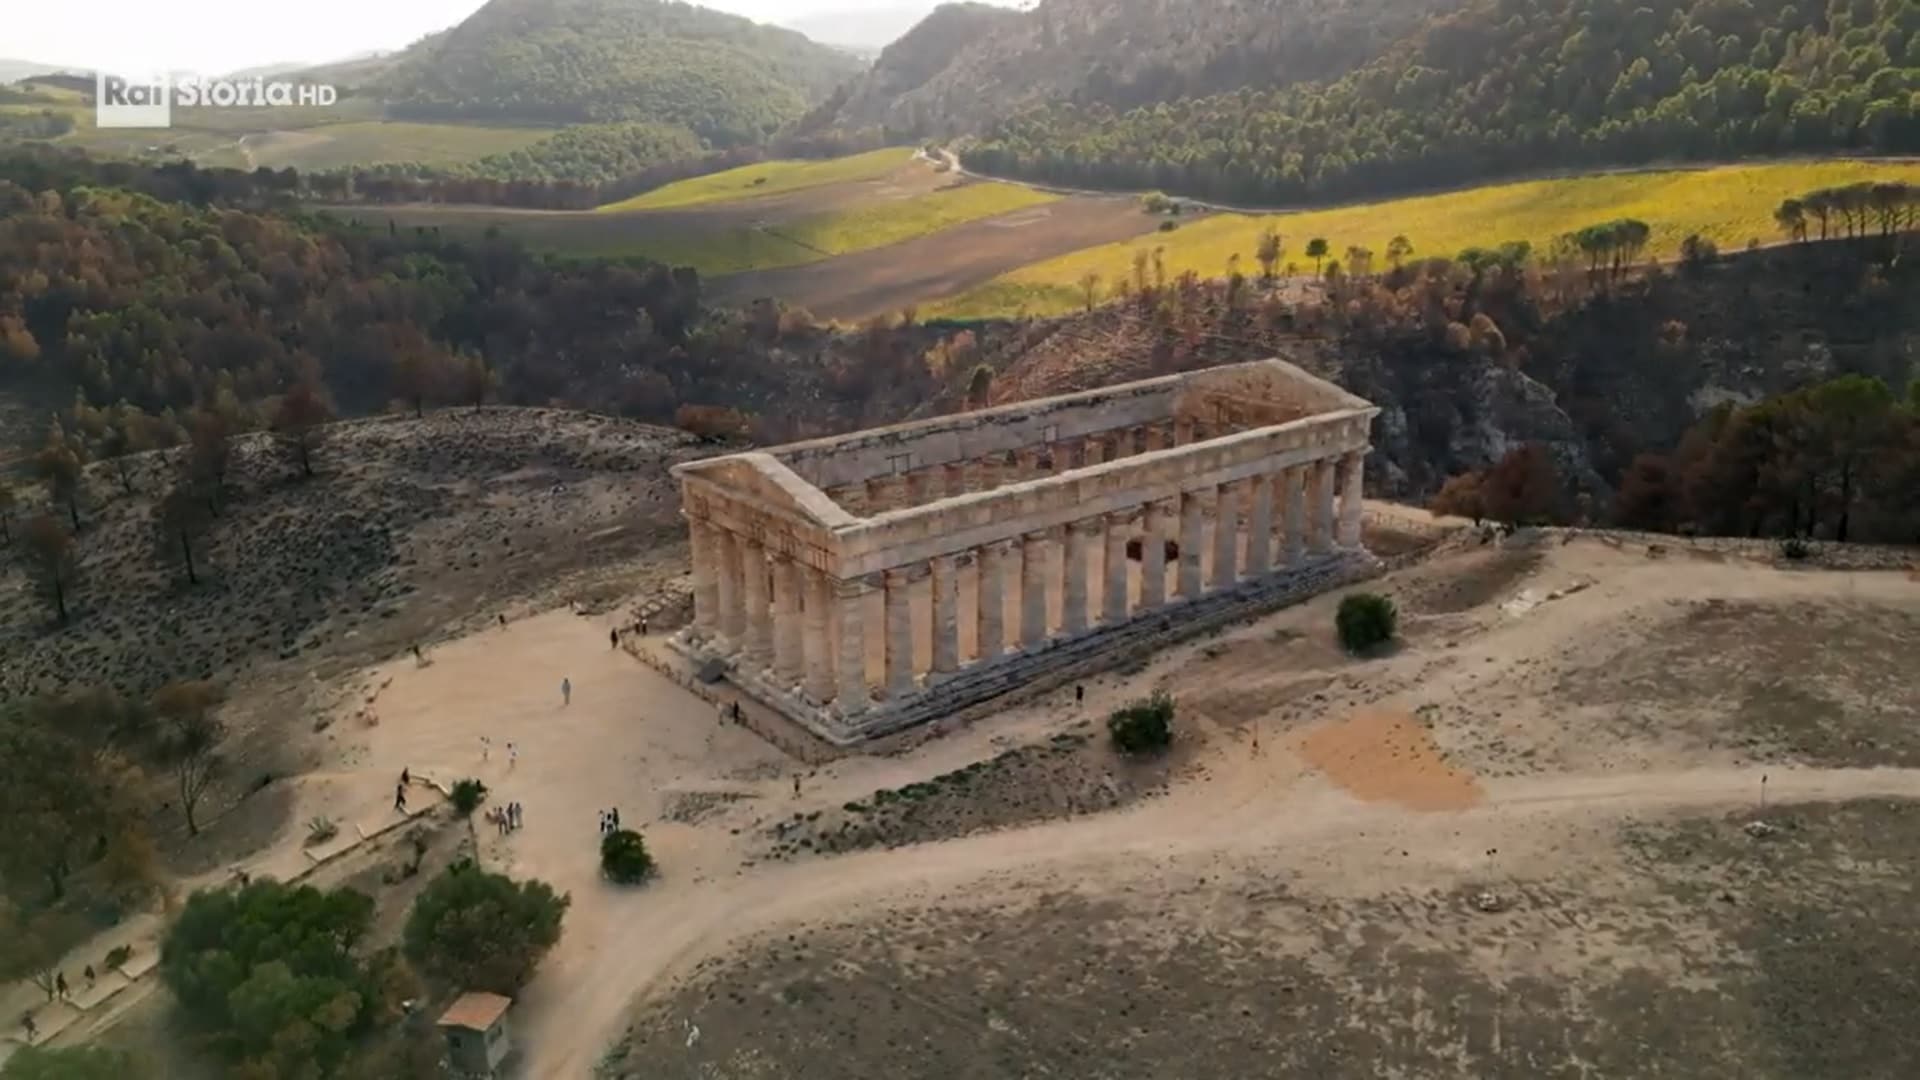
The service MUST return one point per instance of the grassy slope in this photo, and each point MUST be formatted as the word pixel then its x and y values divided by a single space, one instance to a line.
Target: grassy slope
pixel 766 178
pixel 805 239
pixel 1730 205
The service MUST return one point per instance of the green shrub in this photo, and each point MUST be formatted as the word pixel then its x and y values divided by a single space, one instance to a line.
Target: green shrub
pixel 624 858
pixel 1795 549
pixel 254 968
pixel 468 794
pixel 476 930
pixel 1144 726
pixel 1365 621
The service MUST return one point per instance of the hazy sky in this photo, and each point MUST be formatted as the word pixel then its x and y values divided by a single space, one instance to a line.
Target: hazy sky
pixel 140 36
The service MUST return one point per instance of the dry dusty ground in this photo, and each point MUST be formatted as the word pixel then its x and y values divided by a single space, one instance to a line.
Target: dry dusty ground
pixel 1577 731
pixel 412 529
pixel 1573 735
pixel 886 279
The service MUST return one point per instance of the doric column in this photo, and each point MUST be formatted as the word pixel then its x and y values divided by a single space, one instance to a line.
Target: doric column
pixel 850 652
pixel 899 586
pixel 1192 535
pixel 1153 437
pixel 1321 539
pixel 989 637
pixel 1093 451
pixel 753 568
pixel 1293 485
pixel 727 586
pixel 786 621
pixel 1352 472
pixel 916 484
pixel 1073 591
pixel 1153 558
pixel 1033 590
pixel 706 588
pixel 817 643
pixel 1260 529
pixel 1226 536
pixel 1182 431
pixel 1113 601
pixel 956 478
pixel 1028 466
pixel 946 615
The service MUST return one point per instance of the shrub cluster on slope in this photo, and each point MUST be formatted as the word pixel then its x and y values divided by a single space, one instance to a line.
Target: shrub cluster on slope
pixel 1503 86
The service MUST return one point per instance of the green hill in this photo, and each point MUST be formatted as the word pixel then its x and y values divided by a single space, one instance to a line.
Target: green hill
pixel 570 61
pixel 968 65
pixel 1501 87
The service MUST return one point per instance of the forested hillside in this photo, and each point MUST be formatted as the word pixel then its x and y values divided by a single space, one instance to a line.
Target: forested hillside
pixel 160 293
pixel 1504 86
pixel 569 61
pixel 968 65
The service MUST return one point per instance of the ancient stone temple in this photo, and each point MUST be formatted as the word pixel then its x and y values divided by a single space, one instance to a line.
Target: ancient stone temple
pixel 867 582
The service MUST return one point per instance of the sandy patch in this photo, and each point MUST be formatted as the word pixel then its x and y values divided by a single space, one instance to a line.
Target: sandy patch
pixel 1386 756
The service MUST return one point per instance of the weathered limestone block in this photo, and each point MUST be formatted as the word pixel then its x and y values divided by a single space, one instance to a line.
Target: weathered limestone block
pixel 706 588
pixel 786 621
pixel 753 567
pixel 1153 557
pixel 990 603
pixel 1113 605
pixel 1033 590
pixel 849 600
pixel 1226 536
pixel 899 609
pixel 818 645
pixel 946 615
pixel 727 586
pixel 1079 554
pixel 1352 498
pixel 1192 534
pixel 1260 529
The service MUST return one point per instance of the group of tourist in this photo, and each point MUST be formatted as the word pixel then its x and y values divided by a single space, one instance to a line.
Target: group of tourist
pixel 609 821
pixel 506 818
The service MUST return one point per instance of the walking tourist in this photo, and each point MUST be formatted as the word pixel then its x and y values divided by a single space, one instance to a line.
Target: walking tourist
pixel 566 691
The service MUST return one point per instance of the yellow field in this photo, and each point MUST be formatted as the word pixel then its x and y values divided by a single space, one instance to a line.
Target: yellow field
pixel 880 224
pixel 1729 205
pixel 766 178
pixel 738 248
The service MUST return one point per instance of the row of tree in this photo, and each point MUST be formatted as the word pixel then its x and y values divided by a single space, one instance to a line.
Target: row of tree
pixel 1884 208
pixel 1503 87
